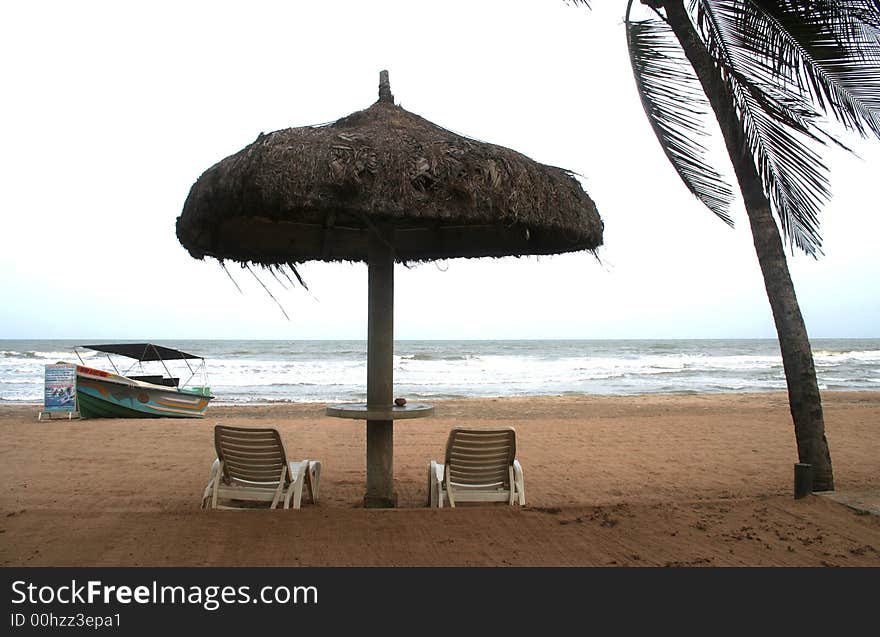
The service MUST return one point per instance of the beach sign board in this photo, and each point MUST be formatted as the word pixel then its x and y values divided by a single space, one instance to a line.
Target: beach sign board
pixel 60 388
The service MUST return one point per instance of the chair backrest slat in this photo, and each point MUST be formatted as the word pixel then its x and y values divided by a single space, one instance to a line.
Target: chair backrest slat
pixel 480 456
pixel 250 455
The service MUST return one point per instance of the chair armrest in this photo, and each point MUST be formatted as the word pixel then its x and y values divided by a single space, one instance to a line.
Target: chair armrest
pixel 296 468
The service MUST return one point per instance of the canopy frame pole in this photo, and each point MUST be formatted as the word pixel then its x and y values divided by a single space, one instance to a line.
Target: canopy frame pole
pixel 192 373
pixel 380 373
pixel 162 360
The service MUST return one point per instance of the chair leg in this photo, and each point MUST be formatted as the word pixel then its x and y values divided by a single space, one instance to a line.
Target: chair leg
pixel 280 490
pixel 297 488
pixel 217 473
pixel 298 473
pixel 314 478
pixel 206 497
pixel 512 485
pixel 520 482
pixel 435 484
pixel 449 493
pixel 212 481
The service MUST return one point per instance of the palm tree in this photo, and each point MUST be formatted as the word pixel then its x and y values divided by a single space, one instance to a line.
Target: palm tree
pixel 769 70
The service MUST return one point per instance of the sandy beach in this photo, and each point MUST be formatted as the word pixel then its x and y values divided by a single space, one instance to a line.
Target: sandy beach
pixel 610 481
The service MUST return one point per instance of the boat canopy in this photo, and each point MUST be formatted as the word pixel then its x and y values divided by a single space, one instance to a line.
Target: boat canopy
pixel 142 351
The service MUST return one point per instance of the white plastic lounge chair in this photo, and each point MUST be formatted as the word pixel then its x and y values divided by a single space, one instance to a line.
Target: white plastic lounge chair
pixel 251 465
pixel 480 466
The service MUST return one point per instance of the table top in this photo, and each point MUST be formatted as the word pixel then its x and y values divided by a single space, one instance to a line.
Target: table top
pixel 360 411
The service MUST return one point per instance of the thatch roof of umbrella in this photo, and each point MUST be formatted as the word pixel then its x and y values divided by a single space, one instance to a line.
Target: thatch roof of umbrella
pixel 317 192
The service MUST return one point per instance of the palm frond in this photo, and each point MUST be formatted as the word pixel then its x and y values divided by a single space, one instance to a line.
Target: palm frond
pixel 780 123
pixel 869 12
pixel 829 48
pixel 791 170
pixel 676 108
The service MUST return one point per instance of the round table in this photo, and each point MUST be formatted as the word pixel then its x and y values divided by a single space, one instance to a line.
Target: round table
pixel 361 411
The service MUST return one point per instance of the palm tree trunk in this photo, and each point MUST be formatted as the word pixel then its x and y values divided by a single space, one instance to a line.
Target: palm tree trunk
pixel 804 400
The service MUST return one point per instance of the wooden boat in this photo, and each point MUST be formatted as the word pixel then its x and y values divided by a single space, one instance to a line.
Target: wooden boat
pixel 102 394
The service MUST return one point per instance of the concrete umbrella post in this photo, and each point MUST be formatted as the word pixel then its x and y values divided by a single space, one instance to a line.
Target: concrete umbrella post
pixel 380 373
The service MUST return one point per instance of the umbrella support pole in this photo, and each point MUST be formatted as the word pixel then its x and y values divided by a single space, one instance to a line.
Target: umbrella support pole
pixel 380 465
pixel 380 375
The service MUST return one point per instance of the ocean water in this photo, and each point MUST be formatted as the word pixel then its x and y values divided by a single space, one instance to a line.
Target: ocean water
pixel 258 371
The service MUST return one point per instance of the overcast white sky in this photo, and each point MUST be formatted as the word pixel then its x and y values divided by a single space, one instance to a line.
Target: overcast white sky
pixel 110 111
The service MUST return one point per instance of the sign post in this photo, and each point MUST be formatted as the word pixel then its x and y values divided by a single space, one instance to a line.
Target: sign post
pixel 59 395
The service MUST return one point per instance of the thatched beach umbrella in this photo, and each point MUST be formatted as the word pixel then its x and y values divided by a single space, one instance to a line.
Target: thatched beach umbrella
pixel 379 186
